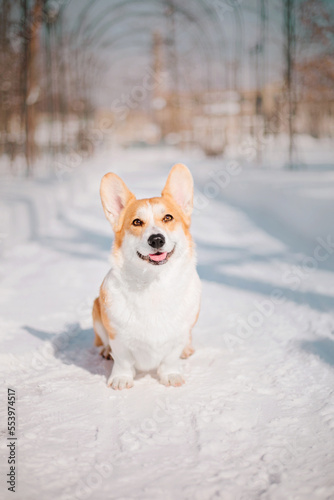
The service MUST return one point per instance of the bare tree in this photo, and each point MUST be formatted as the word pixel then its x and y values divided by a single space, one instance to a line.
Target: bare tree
pixel 31 23
pixel 289 26
pixel 315 69
pixel 44 73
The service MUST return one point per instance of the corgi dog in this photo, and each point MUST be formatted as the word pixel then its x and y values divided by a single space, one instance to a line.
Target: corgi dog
pixel 149 301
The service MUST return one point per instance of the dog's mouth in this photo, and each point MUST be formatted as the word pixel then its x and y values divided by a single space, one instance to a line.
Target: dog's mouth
pixel 158 258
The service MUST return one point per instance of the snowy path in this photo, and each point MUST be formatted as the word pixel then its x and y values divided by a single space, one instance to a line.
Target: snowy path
pixel 255 419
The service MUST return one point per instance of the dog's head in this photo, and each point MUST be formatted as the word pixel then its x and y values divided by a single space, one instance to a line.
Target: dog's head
pixel 150 232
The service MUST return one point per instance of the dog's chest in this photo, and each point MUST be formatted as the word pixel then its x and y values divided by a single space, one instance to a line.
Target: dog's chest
pixel 148 314
pixel 154 320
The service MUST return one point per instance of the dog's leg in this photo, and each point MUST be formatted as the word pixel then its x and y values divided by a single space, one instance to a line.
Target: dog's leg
pixel 101 335
pixel 169 370
pixel 189 350
pixel 105 352
pixel 123 370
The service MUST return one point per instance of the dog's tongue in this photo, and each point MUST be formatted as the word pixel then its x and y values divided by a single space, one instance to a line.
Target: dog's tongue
pixel 158 257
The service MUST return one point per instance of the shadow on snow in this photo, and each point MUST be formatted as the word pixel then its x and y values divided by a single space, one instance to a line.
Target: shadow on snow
pixel 323 348
pixel 75 346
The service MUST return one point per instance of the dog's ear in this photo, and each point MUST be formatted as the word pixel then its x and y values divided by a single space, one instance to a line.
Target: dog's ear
pixel 180 186
pixel 115 196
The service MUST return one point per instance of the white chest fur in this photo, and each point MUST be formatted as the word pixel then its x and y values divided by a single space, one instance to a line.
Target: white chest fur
pixel 153 318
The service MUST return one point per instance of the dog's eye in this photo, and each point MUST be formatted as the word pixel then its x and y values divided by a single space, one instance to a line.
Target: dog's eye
pixel 168 217
pixel 137 222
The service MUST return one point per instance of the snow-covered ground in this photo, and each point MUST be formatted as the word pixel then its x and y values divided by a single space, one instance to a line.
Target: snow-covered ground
pixel 255 419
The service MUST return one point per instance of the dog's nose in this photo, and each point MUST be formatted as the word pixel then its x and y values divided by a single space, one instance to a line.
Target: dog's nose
pixel 156 240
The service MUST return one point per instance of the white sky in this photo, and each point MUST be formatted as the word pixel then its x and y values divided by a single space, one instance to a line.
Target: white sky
pixel 209 34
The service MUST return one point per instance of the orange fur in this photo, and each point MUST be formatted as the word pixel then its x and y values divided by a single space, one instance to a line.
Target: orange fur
pixel 97 317
pixel 100 314
pixel 189 350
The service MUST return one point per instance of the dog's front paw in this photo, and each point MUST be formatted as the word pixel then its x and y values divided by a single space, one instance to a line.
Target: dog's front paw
pixel 119 383
pixel 173 379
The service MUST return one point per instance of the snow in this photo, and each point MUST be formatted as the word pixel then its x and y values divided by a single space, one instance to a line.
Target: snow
pixel 255 419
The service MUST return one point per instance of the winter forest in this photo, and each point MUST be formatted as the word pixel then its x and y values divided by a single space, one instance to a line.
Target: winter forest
pixel 204 75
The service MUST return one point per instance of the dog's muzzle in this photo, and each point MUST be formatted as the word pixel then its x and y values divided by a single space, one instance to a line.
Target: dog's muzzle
pixel 157 258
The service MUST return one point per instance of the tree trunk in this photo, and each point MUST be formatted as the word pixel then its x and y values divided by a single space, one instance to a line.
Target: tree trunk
pixel 32 23
pixel 289 27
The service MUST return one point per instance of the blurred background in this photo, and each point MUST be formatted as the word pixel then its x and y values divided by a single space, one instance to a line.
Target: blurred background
pixel 214 76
